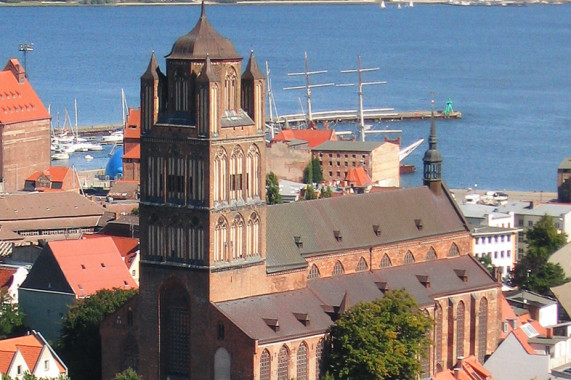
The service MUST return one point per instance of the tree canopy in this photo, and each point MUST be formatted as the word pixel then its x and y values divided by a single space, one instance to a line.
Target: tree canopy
pixel 383 339
pixel 313 172
pixel 80 342
pixel 128 374
pixel 11 318
pixel 533 271
pixel 273 195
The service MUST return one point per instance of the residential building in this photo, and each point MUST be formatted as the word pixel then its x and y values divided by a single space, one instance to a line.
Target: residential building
pixel 232 287
pixel 564 181
pixel 304 138
pixel 30 353
pixel 55 178
pixel 380 160
pixel 24 129
pixel 540 308
pixel 468 368
pixel 50 216
pixel 11 277
pixel 68 270
pixel 132 146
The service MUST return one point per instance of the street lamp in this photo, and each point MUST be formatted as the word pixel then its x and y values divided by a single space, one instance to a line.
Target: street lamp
pixel 25 48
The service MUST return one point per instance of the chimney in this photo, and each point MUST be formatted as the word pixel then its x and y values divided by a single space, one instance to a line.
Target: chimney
pixel 549 332
pixel 457 373
pixel 531 205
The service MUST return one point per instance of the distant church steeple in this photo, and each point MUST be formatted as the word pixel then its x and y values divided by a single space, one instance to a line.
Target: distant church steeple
pixel 432 160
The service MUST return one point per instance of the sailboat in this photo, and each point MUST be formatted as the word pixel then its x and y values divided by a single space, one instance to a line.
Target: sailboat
pixel 411 4
pixel 383 6
pixel 399 6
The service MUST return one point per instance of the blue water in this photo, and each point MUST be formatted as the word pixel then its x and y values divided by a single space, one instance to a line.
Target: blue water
pixel 507 69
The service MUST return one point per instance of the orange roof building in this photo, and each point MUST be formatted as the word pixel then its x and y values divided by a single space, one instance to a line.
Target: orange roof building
pixel 55 178
pixel 65 271
pixel 313 137
pixel 132 146
pixel 25 129
pixel 468 368
pixel 30 353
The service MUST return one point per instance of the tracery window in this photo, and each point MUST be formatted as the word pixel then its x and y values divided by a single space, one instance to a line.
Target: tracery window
pixel 252 236
pixel 408 258
pixel 236 173
pixel 460 329
pixel 361 266
pixel 196 247
pixel 222 364
pixel 425 359
pixel 337 269
pixel 302 362
pixel 313 272
pixel 177 331
pixel 386 261
pixel 431 255
pixel 318 356
pixel 230 88
pixel 236 237
pixel 283 364
pixel 220 240
pixel 220 162
pixel 482 329
pixel 453 252
pixel 265 372
pixel 438 332
pixel 253 172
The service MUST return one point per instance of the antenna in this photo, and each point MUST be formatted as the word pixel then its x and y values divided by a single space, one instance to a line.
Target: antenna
pixel 360 71
pixel 308 86
pixel 25 48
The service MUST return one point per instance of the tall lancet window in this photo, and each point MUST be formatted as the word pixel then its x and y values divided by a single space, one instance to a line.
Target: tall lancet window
pixel 237 238
pixel 230 89
pixel 220 175
pixel 221 240
pixel 252 235
pixel 253 172
pixel 236 173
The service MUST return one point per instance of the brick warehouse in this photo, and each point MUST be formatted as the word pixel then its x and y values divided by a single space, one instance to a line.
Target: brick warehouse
pixel 231 288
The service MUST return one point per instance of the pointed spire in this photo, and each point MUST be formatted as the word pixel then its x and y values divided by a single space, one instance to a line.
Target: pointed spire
pixel 202 11
pixel 207 74
pixel 344 306
pixel 432 159
pixel 252 70
pixel 432 140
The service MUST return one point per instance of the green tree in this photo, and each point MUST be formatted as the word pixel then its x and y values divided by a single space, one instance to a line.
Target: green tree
pixel 29 376
pixel 11 318
pixel 128 374
pixel 382 339
pixel 533 271
pixel 326 192
pixel 313 172
pixel 80 343
pixel 486 261
pixel 309 193
pixel 273 195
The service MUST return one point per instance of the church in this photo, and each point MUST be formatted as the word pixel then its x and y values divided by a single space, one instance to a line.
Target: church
pixel 232 288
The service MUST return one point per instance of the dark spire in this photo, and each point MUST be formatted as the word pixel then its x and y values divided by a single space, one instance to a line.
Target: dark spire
pixel 202 11
pixel 153 71
pixel 432 159
pixel 252 70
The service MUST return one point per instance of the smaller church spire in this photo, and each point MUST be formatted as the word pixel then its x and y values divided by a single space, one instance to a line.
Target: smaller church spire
pixel 153 69
pixel 252 70
pixel 432 159
pixel 202 11
pixel 207 74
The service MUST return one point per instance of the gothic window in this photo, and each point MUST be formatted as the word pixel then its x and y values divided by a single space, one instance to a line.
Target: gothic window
pixel 222 364
pixel 237 237
pixel 175 330
pixel 156 238
pixel 361 266
pixel 453 252
pixel 257 105
pixel 283 364
pixel 425 359
pixel 253 172
pixel 313 272
pixel 181 92
pixel 230 89
pixel 220 175
pixel 252 236
pixel 155 178
pixel 431 255
pixel 302 362
pixel 130 353
pixel 386 261
pixel 220 240
pixel 408 258
pixel 460 329
pixel 265 372
pixel 175 241
pixel 337 269
pixel 175 180
pixel 196 241
pixel 236 173
pixel 438 332
pixel 203 104
pixel 318 356
pixel 147 111
pixel 482 329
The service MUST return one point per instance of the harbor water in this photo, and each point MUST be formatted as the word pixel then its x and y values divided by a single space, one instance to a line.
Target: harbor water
pixel 505 68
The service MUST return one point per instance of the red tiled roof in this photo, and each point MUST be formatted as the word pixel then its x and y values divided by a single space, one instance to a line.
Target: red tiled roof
pixel 29 346
pixel 314 137
pixel 18 101
pixel 358 177
pixel 55 173
pixel 125 245
pixel 523 338
pixel 470 369
pixel 6 276
pixel 133 153
pixel 91 265
pixel 133 125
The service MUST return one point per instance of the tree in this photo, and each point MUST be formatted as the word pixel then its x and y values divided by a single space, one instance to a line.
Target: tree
pixel 80 342
pixel 11 318
pixel 486 261
pixel 309 193
pixel 533 271
pixel 382 339
pixel 273 195
pixel 128 374
pixel 326 192
pixel 313 172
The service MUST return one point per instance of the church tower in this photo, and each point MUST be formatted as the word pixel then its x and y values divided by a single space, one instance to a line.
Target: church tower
pixel 433 162
pixel 202 209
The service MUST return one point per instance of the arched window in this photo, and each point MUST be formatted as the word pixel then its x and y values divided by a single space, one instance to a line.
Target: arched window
pixel 252 235
pixel 283 364
pixel 453 252
pixel 253 172
pixel 361 266
pixel 236 173
pixel 237 238
pixel 220 161
pixel 318 356
pixel 302 362
pixel 265 370
pixel 221 364
pixel 230 89
pixel 313 272
pixel 438 332
pixel 460 329
pixel 221 240
pixel 408 258
pixel 386 261
pixel 175 329
pixel 431 255
pixel 425 359
pixel 482 329
pixel 337 269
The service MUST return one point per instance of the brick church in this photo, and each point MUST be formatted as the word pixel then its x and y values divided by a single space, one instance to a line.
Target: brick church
pixel 231 288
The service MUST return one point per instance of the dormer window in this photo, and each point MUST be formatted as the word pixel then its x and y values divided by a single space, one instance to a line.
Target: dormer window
pixel 418 224
pixel 338 235
pixel 377 229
